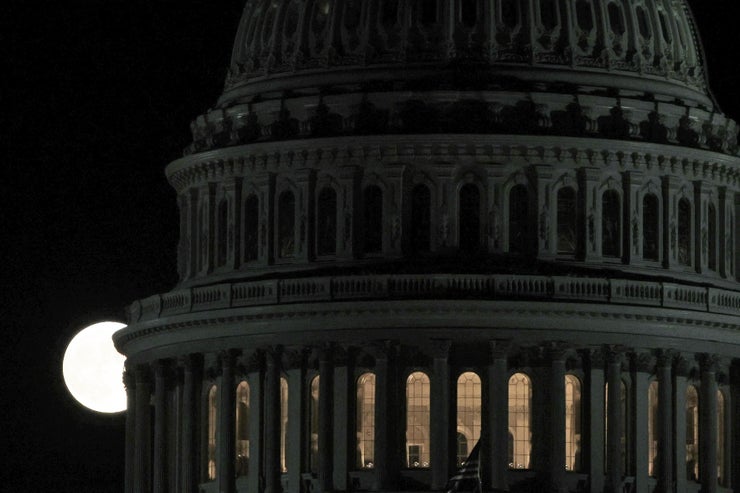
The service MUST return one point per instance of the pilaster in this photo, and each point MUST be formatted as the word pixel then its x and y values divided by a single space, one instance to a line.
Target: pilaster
pixel 700 245
pixel 632 249
pixel 546 212
pixel 349 209
pixel 266 235
pixel 590 227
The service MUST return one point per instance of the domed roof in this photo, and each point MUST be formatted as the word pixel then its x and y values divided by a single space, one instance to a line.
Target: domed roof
pixel 638 46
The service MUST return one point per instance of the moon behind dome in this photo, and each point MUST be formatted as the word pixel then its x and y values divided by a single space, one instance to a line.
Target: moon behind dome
pixel 92 369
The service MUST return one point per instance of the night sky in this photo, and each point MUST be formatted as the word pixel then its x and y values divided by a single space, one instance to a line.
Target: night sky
pixel 100 98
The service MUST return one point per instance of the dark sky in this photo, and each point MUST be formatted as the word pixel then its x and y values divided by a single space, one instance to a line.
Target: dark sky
pixel 100 97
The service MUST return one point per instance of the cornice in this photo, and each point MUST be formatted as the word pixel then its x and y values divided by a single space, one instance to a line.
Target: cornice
pixel 266 157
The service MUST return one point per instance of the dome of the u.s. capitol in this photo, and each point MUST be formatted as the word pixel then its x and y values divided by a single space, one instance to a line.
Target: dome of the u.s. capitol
pixel 614 44
pixel 626 70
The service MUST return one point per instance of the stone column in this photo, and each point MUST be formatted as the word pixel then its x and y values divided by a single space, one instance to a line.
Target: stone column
pixel 593 443
pixel 272 422
pixel 708 424
pixel 734 432
pixel 386 417
pixel 555 419
pixel 325 442
pixel 495 433
pixel 130 383
pixel 590 231
pixel 681 369
pixel 642 366
pixel 225 442
pixel 615 419
pixel 142 432
pixel 160 427
pixel 296 433
pixel 254 368
pixel 664 460
pixel 344 400
pixel 190 375
pixel 440 415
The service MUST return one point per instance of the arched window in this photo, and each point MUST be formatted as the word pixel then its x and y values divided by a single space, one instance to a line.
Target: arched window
pixel 326 222
pixel 313 425
pixel 251 228
pixel 242 429
pixel 712 240
pixel 421 203
pixel 222 228
pixel 365 425
pixel 610 223
pixel 692 433
pixel 721 437
pixel 286 224
pixel 573 424
pixel 518 218
pixel 520 420
pixel 372 226
pixel 653 428
pixel 468 413
pixel 684 232
pixel 283 423
pixel 469 218
pixel 417 420
pixel 566 221
pixel 623 438
pixel 211 450
pixel 650 226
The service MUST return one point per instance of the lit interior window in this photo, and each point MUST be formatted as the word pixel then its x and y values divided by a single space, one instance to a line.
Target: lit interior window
pixel 211 452
pixel 572 423
pixel 242 429
pixel 283 422
pixel 365 430
pixel 520 421
pixel 417 420
pixel 652 428
pixel 468 414
pixel 692 434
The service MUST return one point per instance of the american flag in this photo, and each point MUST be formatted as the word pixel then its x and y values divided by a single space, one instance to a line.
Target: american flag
pixel 467 478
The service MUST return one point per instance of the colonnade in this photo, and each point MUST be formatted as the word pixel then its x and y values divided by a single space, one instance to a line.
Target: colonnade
pixel 167 421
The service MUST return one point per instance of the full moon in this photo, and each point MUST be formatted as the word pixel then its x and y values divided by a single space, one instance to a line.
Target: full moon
pixel 93 369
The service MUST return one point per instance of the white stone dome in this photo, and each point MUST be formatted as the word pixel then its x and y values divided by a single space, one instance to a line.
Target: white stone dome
pixel 586 44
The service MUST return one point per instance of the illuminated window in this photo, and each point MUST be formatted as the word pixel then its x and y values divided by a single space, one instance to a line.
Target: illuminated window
pixel 468 413
pixel 624 424
pixel 566 221
pixel 421 203
pixel 692 434
pixel 372 226
pixel 286 225
pixel 417 420
pixel 518 218
pixel 712 240
pixel 469 218
pixel 650 226
pixel 222 227
pixel 652 428
pixel 283 422
pixel 251 228
pixel 211 451
pixel 242 429
pixel 313 426
pixel 326 222
pixel 573 414
pixel 520 420
pixel 610 223
pixel 721 437
pixel 365 430
pixel 684 232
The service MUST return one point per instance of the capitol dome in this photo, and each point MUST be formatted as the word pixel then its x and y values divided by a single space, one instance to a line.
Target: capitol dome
pixel 407 227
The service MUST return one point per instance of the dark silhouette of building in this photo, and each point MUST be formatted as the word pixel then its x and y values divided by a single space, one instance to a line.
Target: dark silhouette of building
pixel 409 226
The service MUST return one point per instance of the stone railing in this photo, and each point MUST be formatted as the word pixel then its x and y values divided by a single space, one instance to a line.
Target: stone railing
pixel 435 286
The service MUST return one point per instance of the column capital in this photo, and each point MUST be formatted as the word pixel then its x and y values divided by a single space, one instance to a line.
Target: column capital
pixel 294 358
pixel 252 362
pixel 708 362
pixel 384 350
pixel 142 374
pixel 273 356
pixel 556 351
pixel 500 349
pixel 129 379
pixel 665 357
pixel 439 348
pixel 615 355
pixel 227 357
pixel 644 361
pixel 594 357
pixel 682 365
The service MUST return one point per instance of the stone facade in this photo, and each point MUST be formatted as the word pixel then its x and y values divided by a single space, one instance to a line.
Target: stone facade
pixel 409 227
